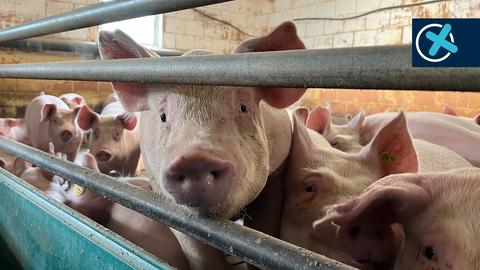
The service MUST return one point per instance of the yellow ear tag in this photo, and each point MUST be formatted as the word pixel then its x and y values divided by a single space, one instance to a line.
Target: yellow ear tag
pixel 78 190
pixel 387 158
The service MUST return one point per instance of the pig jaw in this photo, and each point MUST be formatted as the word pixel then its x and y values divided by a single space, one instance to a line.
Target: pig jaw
pixel 210 121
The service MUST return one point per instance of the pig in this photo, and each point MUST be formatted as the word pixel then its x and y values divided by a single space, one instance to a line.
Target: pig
pixel 114 138
pixel 450 111
pixel 12 164
pixel 52 185
pixel 48 119
pixel 437 212
pixel 72 100
pixel 209 148
pixel 319 175
pixel 15 129
pixel 451 132
pixel 145 232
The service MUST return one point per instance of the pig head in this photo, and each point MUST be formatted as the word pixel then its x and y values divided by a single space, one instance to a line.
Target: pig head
pixel 437 212
pixel 210 148
pixel 319 175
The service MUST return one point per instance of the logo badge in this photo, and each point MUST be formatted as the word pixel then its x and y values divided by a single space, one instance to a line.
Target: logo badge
pixel 445 43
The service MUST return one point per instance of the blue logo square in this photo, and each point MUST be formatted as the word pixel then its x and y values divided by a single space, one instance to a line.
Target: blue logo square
pixel 446 43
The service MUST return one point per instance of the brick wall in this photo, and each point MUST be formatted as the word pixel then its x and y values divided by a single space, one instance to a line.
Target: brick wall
pixel 15 94
pixel 185 30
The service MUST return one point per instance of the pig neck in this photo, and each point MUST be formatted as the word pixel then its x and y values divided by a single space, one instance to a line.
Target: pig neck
pixel 278 129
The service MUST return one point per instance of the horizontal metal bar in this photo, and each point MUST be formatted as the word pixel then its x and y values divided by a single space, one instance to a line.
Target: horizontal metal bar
pixel 256 248
pixel 97 14
pixel 51 44
pixel 386 67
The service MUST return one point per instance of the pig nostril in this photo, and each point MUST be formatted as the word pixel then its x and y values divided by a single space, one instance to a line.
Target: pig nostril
pixel 215 174
pixel 180 178
pixel 355 232
pixel 379 234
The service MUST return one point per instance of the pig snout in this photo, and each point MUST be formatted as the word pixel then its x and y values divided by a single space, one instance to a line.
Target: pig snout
pixel 66 135
pixel 199 180
pixel 103 155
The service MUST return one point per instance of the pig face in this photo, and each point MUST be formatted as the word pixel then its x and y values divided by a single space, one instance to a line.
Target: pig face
pixel 205 146
pixel 345 138
pixel 106 139
pixel 319 175
pixel 62 129
pixel 6 125
pixel 437 212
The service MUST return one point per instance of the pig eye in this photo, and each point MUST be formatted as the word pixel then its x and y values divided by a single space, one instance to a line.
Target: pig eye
pixel 243 108
pixel 429 252
pixel 163 117
pixel 310 188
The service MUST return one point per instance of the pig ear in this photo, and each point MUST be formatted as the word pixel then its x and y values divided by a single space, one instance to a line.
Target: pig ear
pixel 47 111
pixel 319 119
pixel 12 122
pixel 118 45
pixel 86 117
pixel 392 148
pixel 3 163
pixel 78 100
pixel 449 110
pixel 87 160
pixel 19 166
pixel 476 119
pixel 301 140
pixel 302 114
pixel 284 37
pixel 357 122
pixel 128 120
pixel 367 222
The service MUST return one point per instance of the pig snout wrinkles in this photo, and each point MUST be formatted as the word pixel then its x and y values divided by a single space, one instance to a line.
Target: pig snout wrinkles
pixel 199 180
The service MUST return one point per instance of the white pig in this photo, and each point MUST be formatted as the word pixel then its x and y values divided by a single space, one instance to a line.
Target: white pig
pixel 450 111
pixel 319 175
pixel 439 214
pixel 210 148
pixel 114 138
pixel 15 129
pixel 50 120
pixel 451 132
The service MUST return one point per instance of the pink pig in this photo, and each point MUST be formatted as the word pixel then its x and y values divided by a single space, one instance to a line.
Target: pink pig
pixel 72 100
pixel 114 139
pixel 319 175
pixel 48 120
pixel 436 210
pixel 210 148
pixel 451 132
pixel 15 129
pixel 450 111
pixel 147 233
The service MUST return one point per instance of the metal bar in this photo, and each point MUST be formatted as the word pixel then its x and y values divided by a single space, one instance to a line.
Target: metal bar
pixel 50 44
pixel 386 67
pixel 58 229
pixel 256 248
pixel 93 15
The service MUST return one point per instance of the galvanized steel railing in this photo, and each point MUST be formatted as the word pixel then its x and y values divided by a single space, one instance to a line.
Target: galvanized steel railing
pixel 254 247
pixel 101 13
pixel 387 67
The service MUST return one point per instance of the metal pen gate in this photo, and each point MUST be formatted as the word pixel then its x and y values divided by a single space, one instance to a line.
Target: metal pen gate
pixel 386 67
